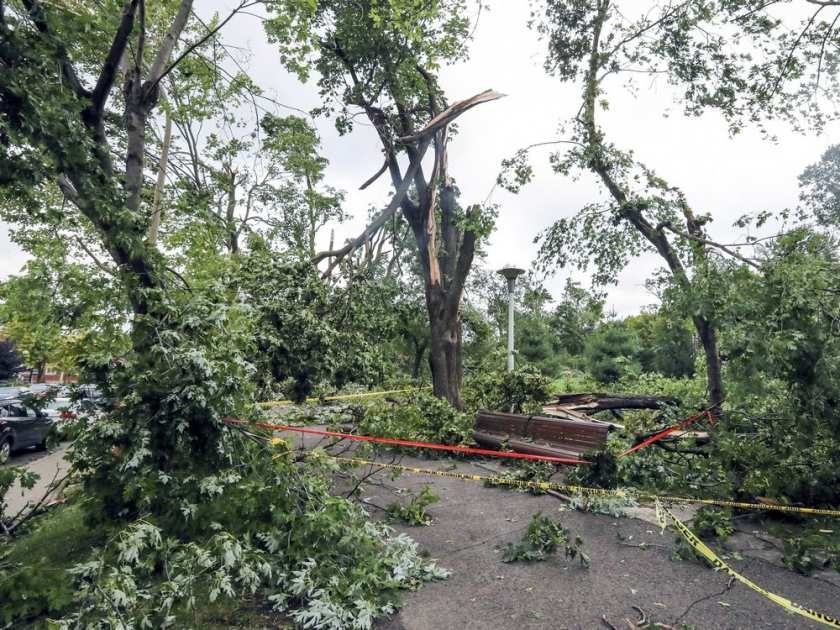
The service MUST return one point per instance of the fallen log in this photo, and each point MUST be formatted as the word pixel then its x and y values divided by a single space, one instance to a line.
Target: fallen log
pixel 593 402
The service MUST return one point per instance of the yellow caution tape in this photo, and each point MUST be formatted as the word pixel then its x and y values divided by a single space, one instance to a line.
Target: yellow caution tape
pixel 274 403
pixel 701 548
pixel 561 487
pixel 662 513
pixel 741 505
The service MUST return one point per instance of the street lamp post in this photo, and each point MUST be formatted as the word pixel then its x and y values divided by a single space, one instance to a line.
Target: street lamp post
pixel 510 273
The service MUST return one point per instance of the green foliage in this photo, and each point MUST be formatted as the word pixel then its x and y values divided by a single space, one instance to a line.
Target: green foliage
pixel 420 416
pixel 526 471
pixel 666 345
pixel 818 190
pixel 383 41
pixel 309 334
pixel 250 533
pixel 577 315
pixel 602 472
pixel 414 513
pixel 610 504
pixel 542 539
pixel 33 578
pixel 711 522
pixel 784 427
pixel 523 390
pixel 611 352
pixel 811 552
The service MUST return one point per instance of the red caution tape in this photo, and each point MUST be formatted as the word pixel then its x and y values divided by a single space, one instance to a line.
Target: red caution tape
pixel 466 450
pixel 680 426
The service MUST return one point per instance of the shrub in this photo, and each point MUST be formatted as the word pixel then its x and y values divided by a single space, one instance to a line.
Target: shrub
pixel 421 417
pixel 523 390
pixel 414 513
pixel 542 539
pixel 710 522
pixel 526 471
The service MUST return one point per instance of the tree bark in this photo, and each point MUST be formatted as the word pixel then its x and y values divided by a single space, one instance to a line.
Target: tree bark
pixel 632 211
pixel 593 402
pixel 419 350
pixel 154 224
pixel 445 355
pixel 714 378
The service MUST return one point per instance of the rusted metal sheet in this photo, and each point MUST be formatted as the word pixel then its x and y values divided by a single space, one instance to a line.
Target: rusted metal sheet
pixel 539 435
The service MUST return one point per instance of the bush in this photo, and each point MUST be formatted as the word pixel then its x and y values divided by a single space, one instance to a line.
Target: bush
pixel 420 416
pixel 710 522
pixel 523 390
pixel 602 472
pixel 414 513
pixel 542 539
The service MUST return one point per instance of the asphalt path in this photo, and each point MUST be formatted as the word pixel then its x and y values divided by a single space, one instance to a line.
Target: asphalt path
pixel 49 465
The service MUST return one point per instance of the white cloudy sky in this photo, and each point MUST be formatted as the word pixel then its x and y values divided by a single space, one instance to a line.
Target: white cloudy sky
pixel 720 175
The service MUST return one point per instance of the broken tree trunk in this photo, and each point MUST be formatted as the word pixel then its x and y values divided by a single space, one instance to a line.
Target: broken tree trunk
pixel 593 402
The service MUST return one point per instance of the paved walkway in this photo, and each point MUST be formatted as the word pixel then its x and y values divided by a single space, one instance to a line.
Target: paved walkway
pixel 46 464
pixel 472 521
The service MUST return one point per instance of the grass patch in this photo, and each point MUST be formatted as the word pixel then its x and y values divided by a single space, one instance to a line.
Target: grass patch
pixel 251 613
pixel 33 567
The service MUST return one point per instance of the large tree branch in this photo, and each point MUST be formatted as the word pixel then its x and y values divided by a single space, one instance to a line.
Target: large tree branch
pixel 377 223
pixel 156 72
pixel 112 61
pixel 451 113
pixel 154 224
pixel 710 243
pixel 375 176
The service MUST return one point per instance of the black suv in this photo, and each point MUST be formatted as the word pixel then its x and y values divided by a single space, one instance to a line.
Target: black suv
pixel 21 427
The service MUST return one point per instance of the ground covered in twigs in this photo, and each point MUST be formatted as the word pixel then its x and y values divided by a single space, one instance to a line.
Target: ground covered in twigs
pixel 632 578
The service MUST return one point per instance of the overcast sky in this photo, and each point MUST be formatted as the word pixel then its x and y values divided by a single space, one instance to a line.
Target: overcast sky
pixel 723 176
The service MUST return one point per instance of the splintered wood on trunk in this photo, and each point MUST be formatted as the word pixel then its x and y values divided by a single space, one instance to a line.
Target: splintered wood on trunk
pixel 445 265
pixel 593 402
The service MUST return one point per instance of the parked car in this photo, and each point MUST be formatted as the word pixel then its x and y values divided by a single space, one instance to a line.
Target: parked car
pixel 22 427
pixel 9 392
pixel 5 442
pixel 60 408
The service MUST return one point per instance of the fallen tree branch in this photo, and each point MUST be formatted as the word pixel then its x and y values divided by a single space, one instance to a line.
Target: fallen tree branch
pixel 375 176
pixel 593 402
pixel 380 220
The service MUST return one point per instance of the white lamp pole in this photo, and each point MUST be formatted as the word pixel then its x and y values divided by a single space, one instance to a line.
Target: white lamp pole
pixel 510 273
